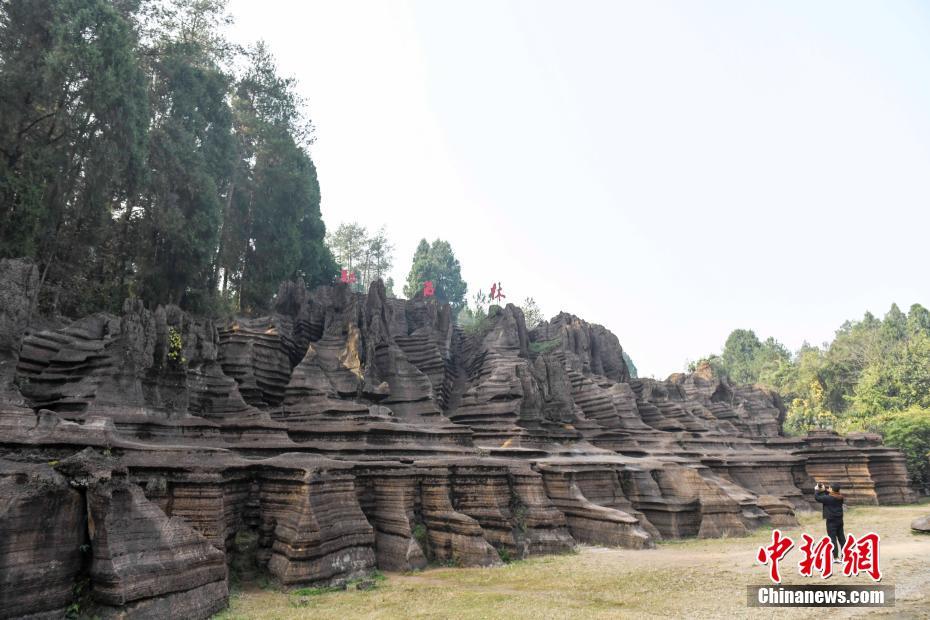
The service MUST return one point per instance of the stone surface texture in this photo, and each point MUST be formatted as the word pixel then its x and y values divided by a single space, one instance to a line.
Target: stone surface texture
pixel 921 525
pixel 346 432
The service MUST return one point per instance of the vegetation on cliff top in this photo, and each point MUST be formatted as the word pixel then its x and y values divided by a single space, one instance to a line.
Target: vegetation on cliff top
pixel 368 256
pixel 873 376
pixel 437 263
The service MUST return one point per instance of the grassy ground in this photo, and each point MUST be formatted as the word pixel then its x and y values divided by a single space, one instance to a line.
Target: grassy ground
pixel 690 578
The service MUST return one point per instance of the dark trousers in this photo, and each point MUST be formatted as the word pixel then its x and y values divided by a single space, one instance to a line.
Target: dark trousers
pixel 835 532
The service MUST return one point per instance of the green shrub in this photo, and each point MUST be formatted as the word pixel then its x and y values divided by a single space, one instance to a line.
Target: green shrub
pixel 909 431
pixel 315 591
pixel 544 346
pixel 474 321
pixel 421 536
pixel 175 349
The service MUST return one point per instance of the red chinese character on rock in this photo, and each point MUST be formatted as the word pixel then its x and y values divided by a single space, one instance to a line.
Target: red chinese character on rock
pixel 428 290
pixel 775 552
pixel 497 292
pixel 861 556
pixel 819 557
pixel 347 277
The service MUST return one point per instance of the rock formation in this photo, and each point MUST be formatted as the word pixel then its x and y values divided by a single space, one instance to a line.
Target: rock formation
pixel 921 525
pixel 149 454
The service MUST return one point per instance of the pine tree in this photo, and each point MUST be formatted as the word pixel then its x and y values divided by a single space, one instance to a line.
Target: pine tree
pixel 437 263
pixel 73 116
pixel 133 161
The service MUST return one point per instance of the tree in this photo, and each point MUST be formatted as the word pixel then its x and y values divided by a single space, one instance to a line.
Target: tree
pixel 899 381
pixel 73 115
pixel 855 346
pixel 894 326
pixel 807 413
pixel 134 161
pixel 739 355
pixel 191 158
pixel 473 317
pixel 420 260
pixel 349 244
pixel 772 364
pixel 369 257
pixel 379 256
pixel 874 376
pixel 532 313
pixel 909 431
pixel 745 359
pixel 918 320
pixel 274 189
pixel 714 362
pixel 438 264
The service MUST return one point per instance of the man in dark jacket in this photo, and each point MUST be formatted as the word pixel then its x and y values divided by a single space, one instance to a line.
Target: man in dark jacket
pixel 832 501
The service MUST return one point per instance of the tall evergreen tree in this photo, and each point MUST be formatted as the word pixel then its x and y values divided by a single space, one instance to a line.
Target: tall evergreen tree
pixel 133 162
pixel 73 117
pixel 437 263
pixel 276 189
pixel 190 157
pixel 739 353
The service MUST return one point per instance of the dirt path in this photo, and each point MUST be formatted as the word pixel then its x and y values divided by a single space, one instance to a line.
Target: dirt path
pixel 692 579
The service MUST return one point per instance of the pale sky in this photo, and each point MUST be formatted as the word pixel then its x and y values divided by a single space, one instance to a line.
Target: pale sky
pixel 671 170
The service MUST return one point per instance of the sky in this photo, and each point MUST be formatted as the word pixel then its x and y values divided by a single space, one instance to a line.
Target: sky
pixel 670 170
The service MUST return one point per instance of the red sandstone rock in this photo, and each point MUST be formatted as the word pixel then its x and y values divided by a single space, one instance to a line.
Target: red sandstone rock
pixel 346 432
pixel 921 525
pixel 42 530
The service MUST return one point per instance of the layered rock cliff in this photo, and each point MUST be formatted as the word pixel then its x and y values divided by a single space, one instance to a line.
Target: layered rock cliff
pixel 144 454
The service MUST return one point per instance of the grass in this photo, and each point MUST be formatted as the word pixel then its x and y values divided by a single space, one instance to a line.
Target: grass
pixel 478 325
pixel 544 346
pixel 315 591
pixel 686 578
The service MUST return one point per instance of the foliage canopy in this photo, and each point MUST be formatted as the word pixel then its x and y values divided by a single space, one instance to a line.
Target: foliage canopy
pixel 873 376
pixel 436 262
pixel 143 155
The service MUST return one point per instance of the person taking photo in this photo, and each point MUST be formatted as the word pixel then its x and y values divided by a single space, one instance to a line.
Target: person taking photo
pixel 832 501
